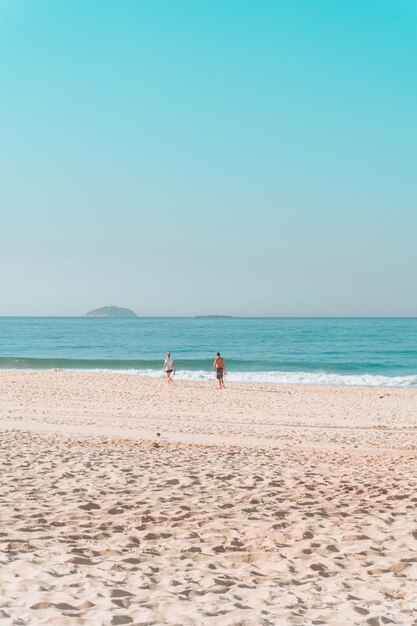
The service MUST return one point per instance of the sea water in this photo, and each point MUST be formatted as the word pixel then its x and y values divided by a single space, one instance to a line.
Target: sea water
pixel 328 351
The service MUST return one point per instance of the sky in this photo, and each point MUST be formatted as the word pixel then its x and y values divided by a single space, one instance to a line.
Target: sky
pixel 186 157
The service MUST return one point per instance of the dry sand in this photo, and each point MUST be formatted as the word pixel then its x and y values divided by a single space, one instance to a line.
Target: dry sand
pixel 257 505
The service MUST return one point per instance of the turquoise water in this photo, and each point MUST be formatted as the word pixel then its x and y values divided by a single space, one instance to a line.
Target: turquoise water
pixel 358 351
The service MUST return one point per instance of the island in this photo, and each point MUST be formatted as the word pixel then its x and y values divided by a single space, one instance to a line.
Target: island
pixel 115 312
pixel 210 316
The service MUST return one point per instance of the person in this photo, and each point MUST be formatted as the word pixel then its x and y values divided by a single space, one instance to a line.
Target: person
pixel 169 368
pixel 220 369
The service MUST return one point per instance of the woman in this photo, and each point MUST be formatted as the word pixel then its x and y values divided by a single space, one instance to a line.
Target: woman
pixel 169 368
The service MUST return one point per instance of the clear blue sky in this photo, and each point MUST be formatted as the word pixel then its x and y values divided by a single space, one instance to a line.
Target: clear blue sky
pixel 208 156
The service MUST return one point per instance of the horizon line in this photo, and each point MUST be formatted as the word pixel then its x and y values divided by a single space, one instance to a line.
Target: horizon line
pixel 212 316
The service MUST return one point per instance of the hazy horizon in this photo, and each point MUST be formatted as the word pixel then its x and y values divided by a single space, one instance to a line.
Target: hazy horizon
pixel 223 315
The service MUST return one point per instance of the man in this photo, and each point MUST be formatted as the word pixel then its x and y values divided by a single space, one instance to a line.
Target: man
pixel 220 369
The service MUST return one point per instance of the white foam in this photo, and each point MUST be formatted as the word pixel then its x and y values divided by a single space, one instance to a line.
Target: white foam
pixel 291 378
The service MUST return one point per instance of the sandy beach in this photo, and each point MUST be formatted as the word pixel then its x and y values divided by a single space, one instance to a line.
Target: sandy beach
pixel 256 505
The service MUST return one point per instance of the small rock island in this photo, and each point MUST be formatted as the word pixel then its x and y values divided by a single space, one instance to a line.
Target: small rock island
pixel 111 311
pixel 213 316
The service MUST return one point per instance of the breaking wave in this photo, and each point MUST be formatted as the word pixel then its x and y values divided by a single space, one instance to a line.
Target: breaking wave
pixel 291 378
pixel 201 372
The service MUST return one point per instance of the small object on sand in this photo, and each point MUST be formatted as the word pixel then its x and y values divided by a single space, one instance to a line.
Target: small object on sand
pixel 158 434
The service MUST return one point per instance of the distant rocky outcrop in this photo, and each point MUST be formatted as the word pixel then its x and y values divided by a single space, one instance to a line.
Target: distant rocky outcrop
pixel 210 316
pixel 112 311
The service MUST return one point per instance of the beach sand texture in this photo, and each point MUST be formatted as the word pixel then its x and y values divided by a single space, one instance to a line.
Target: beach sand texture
pixel 256 505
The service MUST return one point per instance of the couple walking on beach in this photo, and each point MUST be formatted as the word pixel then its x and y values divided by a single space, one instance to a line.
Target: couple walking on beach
pixel 219 368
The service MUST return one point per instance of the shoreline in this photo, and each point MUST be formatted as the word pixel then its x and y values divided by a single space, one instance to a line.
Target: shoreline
pixel 245 377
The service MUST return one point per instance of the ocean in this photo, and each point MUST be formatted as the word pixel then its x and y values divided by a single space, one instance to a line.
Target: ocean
pixel 321 351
